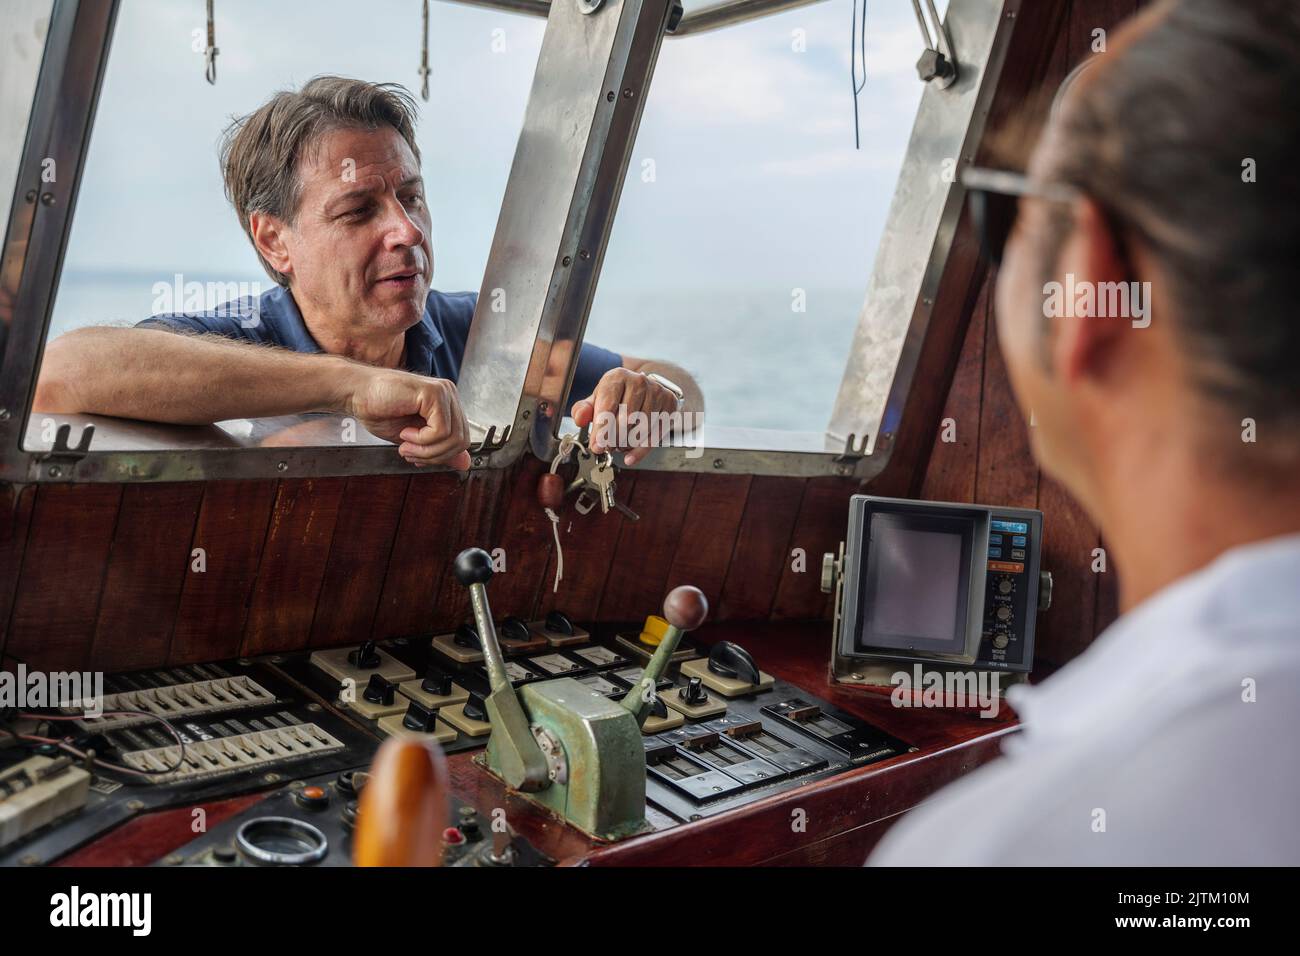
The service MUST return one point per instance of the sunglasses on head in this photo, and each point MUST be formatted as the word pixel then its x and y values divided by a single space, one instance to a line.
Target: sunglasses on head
pixel 994 196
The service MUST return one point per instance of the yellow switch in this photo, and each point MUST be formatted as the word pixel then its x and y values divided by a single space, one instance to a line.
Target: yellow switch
pixel 653 631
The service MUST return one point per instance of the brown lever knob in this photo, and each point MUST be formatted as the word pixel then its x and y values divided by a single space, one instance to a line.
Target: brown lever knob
pixel 404 806
pixel 686 607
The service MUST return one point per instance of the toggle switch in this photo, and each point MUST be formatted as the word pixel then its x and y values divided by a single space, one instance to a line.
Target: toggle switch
pixel 729 670
pixel 693 700
pixel 462 645
pixel 470 717
pixel 558 630
pixel 661 718
pixel 517 638
pixel 338 663
pixel 378 699
pixel 418 721
pixel 435 690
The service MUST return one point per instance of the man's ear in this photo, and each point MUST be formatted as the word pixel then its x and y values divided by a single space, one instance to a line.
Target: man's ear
pixel 1086 340
pixel 268 234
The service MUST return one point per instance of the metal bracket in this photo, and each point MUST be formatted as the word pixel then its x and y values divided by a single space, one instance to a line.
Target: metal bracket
pixel 62 458
pixel 854 451
pixel 491 442
pixel 937 63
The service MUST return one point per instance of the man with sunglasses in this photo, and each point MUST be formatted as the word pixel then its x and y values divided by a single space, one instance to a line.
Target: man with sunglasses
pixel 1171 164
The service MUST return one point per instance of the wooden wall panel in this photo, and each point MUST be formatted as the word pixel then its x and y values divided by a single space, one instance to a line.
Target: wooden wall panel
pixel 420 551
pixel 762 548
pixel 15 518
pixel 146 572
pixel 293 565
pixel 820 526
pixel 526 543
pixel 358 559
pixel 231 531
pixel 645 550
pixel 709 534
pixel 950 475
pixel 1006 473
pixel 62 576
pixel 1068 540
pixel 481 505
pixel 588 542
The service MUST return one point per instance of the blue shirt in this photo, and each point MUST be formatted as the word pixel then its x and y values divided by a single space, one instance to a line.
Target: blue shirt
pixel 434 346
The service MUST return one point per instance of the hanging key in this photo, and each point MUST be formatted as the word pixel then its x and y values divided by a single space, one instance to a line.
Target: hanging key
pixel 602 478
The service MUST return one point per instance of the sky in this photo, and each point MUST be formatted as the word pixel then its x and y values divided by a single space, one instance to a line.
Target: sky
pixel 757 189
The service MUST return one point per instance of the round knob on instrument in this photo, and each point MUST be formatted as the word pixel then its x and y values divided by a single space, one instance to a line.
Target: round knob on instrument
pixel 473 566
pixel 686 607
pixel 1004 614
pixel 1004 586
pixel 1001 641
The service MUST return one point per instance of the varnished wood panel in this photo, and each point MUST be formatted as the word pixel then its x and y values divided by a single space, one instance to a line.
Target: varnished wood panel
pixel 1006 474
pixel 588 542
pixel 525 541
pixel 645 549
pixel 1069 537
pixel 146 571
pixel 231 531
pixel 821 525
pixel 62 575
pixel 762 548
pixel 358 559
pixel 15 518
pixel 950 475
pixel 293 565
pixel 420 551
pixel 481 504
pixel 709 534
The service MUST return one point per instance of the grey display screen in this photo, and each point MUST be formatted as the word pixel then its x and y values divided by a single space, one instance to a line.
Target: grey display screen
pixel 917 582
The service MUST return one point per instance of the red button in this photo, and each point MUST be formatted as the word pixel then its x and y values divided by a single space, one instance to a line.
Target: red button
pixel 453 836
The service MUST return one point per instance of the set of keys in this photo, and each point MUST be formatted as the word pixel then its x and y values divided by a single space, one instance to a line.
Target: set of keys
pixel 594 482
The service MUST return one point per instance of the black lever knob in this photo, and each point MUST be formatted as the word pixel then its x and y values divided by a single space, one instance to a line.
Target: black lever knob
pixel 473 566
pixel 365 657
pixel 557 622
pixel 380 690
pixel 658 707
pixel 515 629
pixel 419 718
pixel 475 708
pixel 731 660
pixel 467 636
pixel 436 681
pixel 694 693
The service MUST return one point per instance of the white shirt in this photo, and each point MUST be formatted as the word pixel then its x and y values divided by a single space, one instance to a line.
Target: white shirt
pixel 1150 734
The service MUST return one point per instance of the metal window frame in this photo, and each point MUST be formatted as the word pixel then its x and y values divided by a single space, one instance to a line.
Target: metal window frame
pixel 509 381
pixel 881 367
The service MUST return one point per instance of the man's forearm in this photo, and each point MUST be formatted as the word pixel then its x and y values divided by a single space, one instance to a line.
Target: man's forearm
pixel 162 376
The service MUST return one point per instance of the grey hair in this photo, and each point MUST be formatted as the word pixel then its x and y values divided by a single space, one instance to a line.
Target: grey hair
pixel 260 153
pixel 1165 136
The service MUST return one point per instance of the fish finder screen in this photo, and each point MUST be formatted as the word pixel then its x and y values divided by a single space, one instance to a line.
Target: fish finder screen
pixel 916 583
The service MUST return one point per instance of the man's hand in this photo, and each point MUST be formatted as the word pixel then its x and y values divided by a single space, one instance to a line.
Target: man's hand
pixel 621 392
pixel 423 414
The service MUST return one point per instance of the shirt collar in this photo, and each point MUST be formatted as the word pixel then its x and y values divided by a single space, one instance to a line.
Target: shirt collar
pixel 422 339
